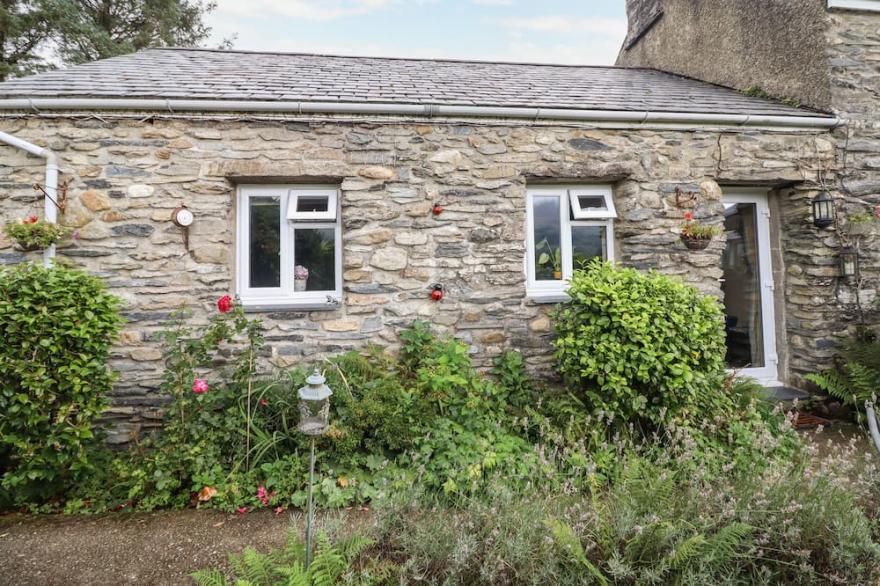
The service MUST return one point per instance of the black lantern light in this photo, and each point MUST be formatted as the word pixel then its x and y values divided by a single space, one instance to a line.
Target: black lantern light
pixel 823 210
pixel 849 262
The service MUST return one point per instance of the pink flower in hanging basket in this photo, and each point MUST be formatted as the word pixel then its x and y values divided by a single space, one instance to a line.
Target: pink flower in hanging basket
pixel 200 386
pixel 224 304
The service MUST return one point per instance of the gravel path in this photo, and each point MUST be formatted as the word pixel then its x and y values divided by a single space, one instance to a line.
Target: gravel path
pixel 130 548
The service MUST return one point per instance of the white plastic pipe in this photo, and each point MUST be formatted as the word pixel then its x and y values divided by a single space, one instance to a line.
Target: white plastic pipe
pixel 872 424
pixel 50 211
pixel 605 117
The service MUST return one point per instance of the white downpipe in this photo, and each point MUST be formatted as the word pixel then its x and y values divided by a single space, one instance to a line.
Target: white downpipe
pixel 872 423
pixel 50 211
pixel 367 108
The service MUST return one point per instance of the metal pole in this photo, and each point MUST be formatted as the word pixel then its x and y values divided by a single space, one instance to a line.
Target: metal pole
pixel 311 513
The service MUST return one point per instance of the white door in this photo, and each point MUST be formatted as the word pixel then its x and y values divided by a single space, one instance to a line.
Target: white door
pixel 747 284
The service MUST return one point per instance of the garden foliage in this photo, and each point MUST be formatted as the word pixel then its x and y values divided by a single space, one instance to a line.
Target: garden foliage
pixel 642 348
pixel 57 325
pixel 855 377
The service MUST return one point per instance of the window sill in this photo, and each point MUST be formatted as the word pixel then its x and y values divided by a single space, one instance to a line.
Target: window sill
pixel 547 297
pixel 257 306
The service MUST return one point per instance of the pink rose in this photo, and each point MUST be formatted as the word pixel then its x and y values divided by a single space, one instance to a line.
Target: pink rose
pixel 200 386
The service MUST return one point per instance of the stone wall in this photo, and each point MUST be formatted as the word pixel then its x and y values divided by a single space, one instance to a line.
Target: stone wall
pixel 127 175
pixel 778 45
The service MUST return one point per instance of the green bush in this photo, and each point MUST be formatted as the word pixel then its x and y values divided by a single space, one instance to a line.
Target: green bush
pixel 642 348
pixel 57 325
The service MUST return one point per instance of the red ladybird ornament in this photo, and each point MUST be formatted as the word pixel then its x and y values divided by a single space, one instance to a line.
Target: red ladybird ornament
pixel 438 209
pixel 437 292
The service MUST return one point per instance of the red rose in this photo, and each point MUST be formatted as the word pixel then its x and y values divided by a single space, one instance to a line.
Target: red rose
pixel 224 304
pixel 31 219
pixel 688 216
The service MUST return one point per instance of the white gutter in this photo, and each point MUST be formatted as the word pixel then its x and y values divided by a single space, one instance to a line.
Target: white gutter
pixel 535 114
pixel 51 212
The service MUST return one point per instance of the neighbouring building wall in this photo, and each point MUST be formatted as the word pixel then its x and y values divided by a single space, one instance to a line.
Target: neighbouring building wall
pixel 127 175
pixel 823 57
pixel 777 45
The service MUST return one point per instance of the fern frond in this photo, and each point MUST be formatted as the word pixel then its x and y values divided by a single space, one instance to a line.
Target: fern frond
pixel 688 551
pixel 351 547
pixel 566 539
pixel 210 578
pixel 327 565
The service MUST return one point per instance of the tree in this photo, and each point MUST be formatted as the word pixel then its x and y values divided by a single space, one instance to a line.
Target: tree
pixel 35 34
pixel 25 27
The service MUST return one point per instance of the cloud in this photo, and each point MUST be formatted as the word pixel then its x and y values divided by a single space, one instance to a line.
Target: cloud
pixel 315 10
pixel 567 25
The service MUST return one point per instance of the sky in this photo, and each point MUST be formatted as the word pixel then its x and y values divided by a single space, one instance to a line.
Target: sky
pixel 587 32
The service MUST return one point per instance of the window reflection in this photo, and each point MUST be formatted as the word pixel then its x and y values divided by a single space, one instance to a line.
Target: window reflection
pixel 265 242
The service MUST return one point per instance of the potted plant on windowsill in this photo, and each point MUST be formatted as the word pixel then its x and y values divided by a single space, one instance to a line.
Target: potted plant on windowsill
pixel 697 236
pixel 552 257
pixel 31 233
pixel 300 278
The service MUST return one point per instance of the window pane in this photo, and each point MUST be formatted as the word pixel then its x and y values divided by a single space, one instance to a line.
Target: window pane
pixel 313 203
pixel 595 202
pixel 314 256
pixel 548 239
pixel 587 243
pixel 265 242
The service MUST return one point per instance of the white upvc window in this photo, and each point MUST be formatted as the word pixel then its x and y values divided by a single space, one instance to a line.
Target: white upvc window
pixel 289 246
pixel 566 227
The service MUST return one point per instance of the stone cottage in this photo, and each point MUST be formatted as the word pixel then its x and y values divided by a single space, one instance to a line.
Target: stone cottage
pixel 332 195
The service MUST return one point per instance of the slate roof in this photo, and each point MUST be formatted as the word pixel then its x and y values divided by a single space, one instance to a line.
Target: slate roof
pixel 240 75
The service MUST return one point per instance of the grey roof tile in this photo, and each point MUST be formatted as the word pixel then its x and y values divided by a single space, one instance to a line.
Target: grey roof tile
pixel 239 75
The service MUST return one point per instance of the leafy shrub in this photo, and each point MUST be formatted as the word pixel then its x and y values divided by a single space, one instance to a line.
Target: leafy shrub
pixel 642 347
pixel 855 376
pixel 57 325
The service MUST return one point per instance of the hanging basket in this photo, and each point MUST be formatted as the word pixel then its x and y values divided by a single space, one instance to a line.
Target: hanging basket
pixel 696 243
pixel 29 247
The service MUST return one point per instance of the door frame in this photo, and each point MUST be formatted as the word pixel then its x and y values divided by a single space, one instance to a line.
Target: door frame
pixel 768 375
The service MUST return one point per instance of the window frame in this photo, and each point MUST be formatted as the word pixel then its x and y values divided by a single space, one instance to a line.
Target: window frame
pixel 554 291
pixel 255 298
pixel 293 196
pixel 603 191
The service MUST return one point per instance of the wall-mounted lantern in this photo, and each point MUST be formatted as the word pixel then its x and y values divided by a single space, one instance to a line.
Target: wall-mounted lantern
pixel 849 262
pixel 823 210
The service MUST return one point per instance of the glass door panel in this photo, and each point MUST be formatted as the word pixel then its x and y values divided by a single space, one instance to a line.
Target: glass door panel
pixel 742 287
pixel 747 284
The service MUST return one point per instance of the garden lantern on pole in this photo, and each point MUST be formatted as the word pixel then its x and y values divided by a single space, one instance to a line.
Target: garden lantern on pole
pixel 314 412
pixel 823 210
